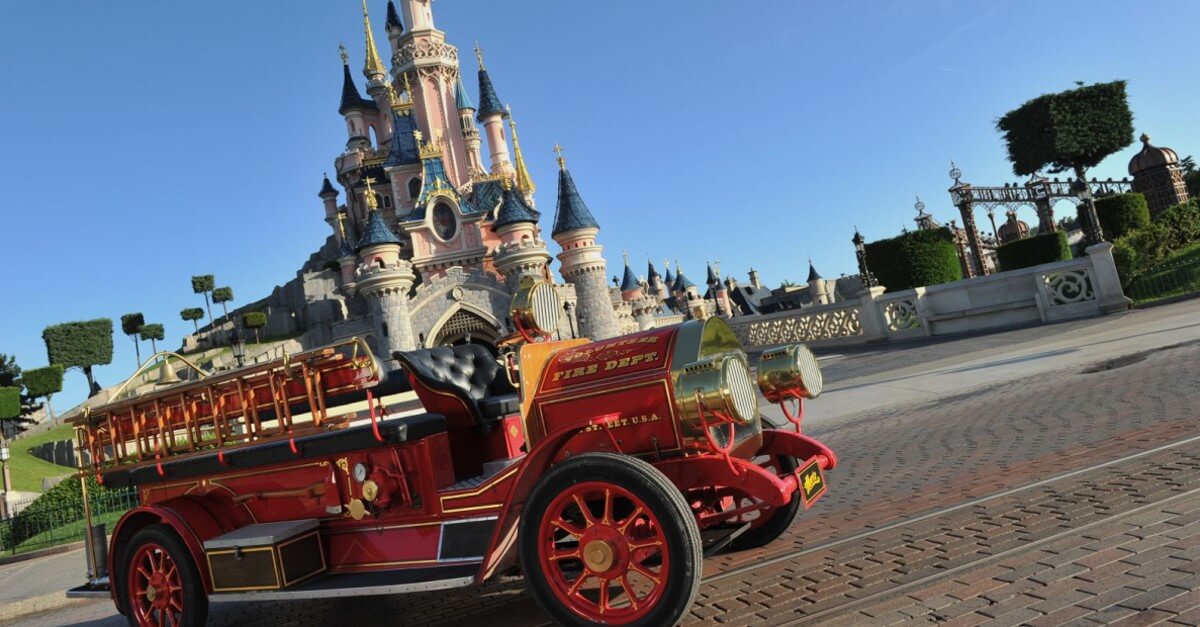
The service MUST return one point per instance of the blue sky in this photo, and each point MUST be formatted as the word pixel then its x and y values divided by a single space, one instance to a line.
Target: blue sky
pixel 144 142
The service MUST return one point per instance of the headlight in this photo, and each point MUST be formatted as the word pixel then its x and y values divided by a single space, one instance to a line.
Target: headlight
pixel 721 383
pixel 789 372
pixel 535 307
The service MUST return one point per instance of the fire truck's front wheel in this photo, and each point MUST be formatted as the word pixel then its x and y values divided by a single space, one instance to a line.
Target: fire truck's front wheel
pixel 162 587
pixel 607 539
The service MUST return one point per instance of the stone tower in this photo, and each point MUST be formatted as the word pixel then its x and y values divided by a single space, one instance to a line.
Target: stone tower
pixel 1157 176
pixel 582 264
pixel 522 251
pixel 818 289
pixel 385 279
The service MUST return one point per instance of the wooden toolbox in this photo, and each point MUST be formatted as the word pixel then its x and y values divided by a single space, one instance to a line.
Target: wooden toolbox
pixel 265 556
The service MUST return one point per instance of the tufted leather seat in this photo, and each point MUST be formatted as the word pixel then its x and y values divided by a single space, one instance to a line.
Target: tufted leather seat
pixel 470 373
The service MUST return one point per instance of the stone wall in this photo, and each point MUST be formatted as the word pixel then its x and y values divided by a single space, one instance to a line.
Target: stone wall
pixel 61 453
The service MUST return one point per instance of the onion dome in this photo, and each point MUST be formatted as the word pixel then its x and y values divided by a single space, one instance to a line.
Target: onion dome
pixel 461 99
pixel 629 281
pixel 393 22
pixel 351 99
pixel 327 188
pixel 1151 157
pixel 571 214
pixel 376 232
pixel 513 209
pixel 813 275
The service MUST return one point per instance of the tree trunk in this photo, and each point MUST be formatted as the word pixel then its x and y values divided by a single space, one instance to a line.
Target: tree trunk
pixel 209 308
pixel 257 340
pixel 196 326
pixel 226 310
pixel 153 346
pixel 137 349
pixel 50 411
pixel 87 371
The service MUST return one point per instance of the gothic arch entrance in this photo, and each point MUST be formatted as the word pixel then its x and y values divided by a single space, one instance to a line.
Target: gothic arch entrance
pixel 464 326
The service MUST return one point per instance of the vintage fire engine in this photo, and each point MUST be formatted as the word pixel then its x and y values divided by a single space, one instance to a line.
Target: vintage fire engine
pixel 603 471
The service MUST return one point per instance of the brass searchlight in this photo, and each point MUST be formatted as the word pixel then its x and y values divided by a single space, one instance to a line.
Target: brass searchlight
pixel 789 372
pixel 720 384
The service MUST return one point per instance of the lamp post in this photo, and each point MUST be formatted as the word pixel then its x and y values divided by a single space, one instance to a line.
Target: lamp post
pixel 238 344
pixel 860 251
pixel 1090 221
pixel 992 219
pixel 4 454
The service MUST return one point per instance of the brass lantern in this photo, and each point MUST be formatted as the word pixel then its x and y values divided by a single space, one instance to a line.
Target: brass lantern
pixel 720 384
pixel 535 307
pixel 789 372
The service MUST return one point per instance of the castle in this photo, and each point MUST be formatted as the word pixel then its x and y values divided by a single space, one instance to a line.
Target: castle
pixel 429 241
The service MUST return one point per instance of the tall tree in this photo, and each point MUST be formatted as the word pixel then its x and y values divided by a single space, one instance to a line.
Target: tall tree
pixel 153 332
pixel 81 344
pixel 193 314
pixel 223 295
pixel 1072 131
pixel 10 376
pixel 44 383
pixel 254 320
pixel 203 284
pixel 130 323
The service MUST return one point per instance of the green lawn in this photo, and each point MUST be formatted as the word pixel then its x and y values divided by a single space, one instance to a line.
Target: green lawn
pixel 1178 274
pixel 28 471
pixel 70 532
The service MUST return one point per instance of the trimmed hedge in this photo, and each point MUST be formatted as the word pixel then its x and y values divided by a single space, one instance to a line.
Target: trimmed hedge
pixel 203 283
pixel 222 294
pixel 1072 129
pixel 131 322
pixel 254 319
pixel 10 402
pixel 1033 251
pixel 152 331
pixel 914 259
pixel 1121 214
pixel 42 382
pixel 1173 229
pixel 80 344
pixel 1182 223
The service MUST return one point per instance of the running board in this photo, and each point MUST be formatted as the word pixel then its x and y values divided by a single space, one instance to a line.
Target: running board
pixel 365 584
pixel 95 589
pixel 715 540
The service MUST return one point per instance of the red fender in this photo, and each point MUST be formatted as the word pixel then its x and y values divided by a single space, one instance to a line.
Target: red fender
pixel 701 471
pixel 798 445
pixel 502 550
pixel 187 516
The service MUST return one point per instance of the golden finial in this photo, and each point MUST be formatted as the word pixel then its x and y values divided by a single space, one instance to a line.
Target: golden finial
pixel 341 221
pixel 558 154
pixel 373 65
pixel 625 254
pixel 479 55
pixel 372 204
pixel 666 264
pixel 506 183
pixel 408 88
pixel 430 149
pixel 343 54
pixel 524 181
pixel 417 135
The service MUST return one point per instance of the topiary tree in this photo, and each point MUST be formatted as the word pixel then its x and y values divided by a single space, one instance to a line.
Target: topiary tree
pixel 44 383
pixel 82 344
pixel 203 284
pixel 914 259
pixel 193 314
pixel 254 320
pixel 1033 251
pixel 1070 131
pixel 1122 213
pixel 223 295
pixel 153 332
pixel 10 402
pixel 10 376
pixel 130 323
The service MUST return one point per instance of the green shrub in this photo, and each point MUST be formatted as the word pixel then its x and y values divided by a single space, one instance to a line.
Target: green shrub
pixel 41 382
pixel 915 259
pixel 10 402
pixel 254 319
pixel 60 504
pixel 222 295
pixel 1121 214
pixel 1126 258
pixel 152 331
pixel 203 283
pixel 1033 251
pixel 1182 223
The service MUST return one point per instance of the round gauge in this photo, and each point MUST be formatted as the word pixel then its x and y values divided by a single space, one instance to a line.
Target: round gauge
pixel 360 472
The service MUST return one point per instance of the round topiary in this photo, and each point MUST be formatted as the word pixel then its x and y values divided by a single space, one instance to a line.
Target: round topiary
pixel 1121 214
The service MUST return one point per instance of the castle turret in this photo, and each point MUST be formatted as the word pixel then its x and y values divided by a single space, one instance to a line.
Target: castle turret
pixel 654 282
pixel 359 112
pixel 403 163
pixel 583 266
pixel 393 26
pixel 491 114
pixel 378 87
pixel 522 250
pixel 329 196
pixel 385 280
pixel 1157 175
pixel 688 295
pixel 719 290
pixel 818 289
pixel 346 257
pixel 631 288
pixel 470 134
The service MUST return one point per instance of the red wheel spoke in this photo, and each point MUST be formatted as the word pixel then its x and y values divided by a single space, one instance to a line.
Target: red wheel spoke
pixel 143 572
pixel 633 605
pixel 170 618
pixel 567 527
pixel 583 508
pixel 578 584
pixel 632 518
pixel 638 546
pixel 608 506
pixel 641 570
pixel 161 617
pixel 563 555
pixel 603 595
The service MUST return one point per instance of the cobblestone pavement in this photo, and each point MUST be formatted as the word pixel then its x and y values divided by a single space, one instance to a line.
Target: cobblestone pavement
pixel 1070 495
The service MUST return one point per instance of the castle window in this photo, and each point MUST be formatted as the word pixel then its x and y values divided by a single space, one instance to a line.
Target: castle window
pixel 414 188
pixel 379 261
pixel 385 330
pixel 387 202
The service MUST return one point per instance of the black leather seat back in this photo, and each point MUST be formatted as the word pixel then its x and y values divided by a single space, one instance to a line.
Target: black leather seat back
pixel 469 372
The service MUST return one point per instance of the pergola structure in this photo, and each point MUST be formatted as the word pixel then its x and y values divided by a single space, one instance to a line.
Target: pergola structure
pixel 1039 192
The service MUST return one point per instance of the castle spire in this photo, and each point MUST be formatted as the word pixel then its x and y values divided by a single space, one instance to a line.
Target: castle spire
pixel 351 99
pixel 489 102
pixel 571 214
pixel 373 66
pixel 524 181
pixel 393 22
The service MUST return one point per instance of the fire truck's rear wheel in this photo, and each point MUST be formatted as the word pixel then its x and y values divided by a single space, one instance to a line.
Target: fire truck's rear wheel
pixel 607 539
pixel 162 587
pixel 771 523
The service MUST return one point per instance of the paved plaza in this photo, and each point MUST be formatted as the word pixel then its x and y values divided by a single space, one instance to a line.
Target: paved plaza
pixel 1036 476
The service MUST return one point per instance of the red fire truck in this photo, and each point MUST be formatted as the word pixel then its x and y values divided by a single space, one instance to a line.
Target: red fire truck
pixel 602 471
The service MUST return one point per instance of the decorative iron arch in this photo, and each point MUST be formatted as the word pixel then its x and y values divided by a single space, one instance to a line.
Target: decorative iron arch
pixel 464 323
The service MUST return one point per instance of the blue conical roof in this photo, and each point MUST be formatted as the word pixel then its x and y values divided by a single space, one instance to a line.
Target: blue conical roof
pixel 489 102
pixel 344 250
pixel 682 283
pixel 403 150
pixel 813 275
pixel 351 99
pixel 651 271
pixel 513 210
pixel 376 232
pixel 572 214
pixel 327 188
pixel 629 282
pixel 712 276
pixel 393 18
pixel 461 99
pixel 669 279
